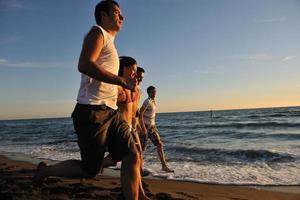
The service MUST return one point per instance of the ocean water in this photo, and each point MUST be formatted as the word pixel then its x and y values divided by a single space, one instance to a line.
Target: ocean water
pixel 242 147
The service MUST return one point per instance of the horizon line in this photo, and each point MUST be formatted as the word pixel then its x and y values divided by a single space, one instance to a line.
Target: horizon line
pixel 230 109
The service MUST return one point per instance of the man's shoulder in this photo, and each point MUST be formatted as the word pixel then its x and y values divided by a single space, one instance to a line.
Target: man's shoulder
pixel 95 33
pixel 147 102
pixel 138 89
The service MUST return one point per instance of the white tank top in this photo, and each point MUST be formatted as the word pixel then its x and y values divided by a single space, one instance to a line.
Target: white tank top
pixel 94 92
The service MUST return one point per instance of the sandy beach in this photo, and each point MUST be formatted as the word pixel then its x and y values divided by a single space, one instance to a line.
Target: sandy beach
pixel 15 183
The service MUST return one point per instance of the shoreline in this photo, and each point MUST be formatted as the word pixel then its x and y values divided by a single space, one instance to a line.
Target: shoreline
pixel 16 173
pixel 115 173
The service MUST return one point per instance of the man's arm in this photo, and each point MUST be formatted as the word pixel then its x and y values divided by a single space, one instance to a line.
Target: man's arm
pixel 141 118
pixel 121 95
pixel 92 46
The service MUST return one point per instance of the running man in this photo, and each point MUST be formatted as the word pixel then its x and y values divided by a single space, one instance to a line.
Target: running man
pixel 98 124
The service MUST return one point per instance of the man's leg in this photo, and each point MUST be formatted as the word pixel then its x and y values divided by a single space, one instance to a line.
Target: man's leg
pixel 137 161
pixel 75 169
pixel 162 158
pixel 138 144
pixel 155 138
pixel 131 179
pixel 91 143
pixel 66 169
pixel 129 176
pixel 124 146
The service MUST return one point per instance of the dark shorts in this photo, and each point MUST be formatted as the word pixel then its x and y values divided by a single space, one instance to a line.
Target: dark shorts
pixel 100 128
pixel 153 134
pixel 136 139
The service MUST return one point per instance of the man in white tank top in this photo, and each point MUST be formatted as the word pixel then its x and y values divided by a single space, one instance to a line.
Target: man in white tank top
pixel 97 123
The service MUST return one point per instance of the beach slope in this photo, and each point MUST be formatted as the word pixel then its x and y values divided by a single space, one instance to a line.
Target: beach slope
pixel 15 183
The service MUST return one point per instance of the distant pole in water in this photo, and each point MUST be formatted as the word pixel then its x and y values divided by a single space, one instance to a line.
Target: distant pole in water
pixel 211 115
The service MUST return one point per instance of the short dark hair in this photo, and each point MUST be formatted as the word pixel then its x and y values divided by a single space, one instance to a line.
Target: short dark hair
pixel 125 61
pixel 140 69
pixel 103 6
pixel 150 88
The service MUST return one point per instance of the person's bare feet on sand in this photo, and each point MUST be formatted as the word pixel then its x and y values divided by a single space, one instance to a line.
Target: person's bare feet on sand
pixel 38 177
pixel 144 173
pixel 167 169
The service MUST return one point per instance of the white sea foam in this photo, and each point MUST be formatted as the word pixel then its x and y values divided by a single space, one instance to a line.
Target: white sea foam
pixel 25 149
pixel 238 173
pixel 50 152
pixel 53 152
pixel 230 174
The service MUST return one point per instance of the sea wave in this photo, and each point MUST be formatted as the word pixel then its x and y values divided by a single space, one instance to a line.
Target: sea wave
pixel 254 135
pixel 250 125
pixel 231 155
pixel 276 115
pixel 237 125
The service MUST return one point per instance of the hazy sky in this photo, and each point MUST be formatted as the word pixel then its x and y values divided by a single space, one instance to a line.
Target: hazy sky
pixel 200 54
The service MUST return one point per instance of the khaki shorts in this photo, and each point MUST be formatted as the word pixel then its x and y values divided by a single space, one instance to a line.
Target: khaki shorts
pixel 152 133
pixel 100 128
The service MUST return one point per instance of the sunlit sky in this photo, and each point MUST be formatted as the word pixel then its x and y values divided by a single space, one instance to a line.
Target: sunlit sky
pixel 200 54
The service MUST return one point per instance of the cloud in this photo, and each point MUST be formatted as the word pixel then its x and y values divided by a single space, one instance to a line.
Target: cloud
pixel 8 40
pixel 4 63
pixel 14 4
pixel 208 70
pixel 269 20
pixel 255 57
pixel 287 58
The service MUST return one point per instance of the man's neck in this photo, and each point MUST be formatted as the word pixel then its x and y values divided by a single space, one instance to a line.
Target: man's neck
pixel 112 33
pixel 109 31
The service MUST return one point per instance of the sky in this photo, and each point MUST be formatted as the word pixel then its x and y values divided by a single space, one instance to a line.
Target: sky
pixel 200 54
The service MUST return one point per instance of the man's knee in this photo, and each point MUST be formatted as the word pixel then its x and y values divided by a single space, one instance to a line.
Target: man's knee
pixel 159 145
pixel 133 158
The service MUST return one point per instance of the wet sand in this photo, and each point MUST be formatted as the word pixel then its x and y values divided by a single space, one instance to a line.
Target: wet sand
pixel 16 184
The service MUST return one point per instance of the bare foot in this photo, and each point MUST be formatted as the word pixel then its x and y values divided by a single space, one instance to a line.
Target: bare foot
pixel 167 169
pixel 144 173
pixel 38 177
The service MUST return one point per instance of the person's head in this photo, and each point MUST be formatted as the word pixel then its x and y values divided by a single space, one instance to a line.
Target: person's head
pixel 151 92
pixel 108 15
pixel 128 67
pixel 140 73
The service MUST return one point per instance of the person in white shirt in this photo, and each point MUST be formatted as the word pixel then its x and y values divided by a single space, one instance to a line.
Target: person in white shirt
pixel 147 122
pixel 98 124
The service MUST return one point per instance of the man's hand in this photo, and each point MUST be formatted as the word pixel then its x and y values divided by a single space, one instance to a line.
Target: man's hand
pixel 129 83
